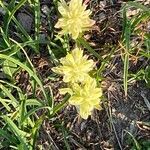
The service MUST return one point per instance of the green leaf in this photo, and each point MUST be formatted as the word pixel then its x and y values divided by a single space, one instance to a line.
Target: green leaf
pixel 83 42
pixel 7 92
pixel 126 41
pixel 7 136
pixel 4 103
pixel 11 14
pixel 137 145
pixel 22 112
pixel 33 111
pixel 9 68
pixel 33 102
pixel 139 6
pixel 20 93
pixel 31 73
pixel 27 36
pixel 59 106
pixel 35 129
pixel 20 134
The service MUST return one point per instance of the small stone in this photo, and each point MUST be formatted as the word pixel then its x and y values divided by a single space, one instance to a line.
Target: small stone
pixel 42 37
pixel 132 127
pixel 103 4
pixel 26 21
pixel 45 9
pixel 83 125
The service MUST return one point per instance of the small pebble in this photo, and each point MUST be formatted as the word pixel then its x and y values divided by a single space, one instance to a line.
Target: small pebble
pixel 26 21
pixel 45 9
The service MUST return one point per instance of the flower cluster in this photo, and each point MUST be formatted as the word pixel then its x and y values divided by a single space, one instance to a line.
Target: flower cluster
pixel 75 18
pixel 85 94
pixel 75 67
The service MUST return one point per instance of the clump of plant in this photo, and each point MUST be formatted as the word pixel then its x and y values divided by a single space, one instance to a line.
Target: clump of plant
pixel 83 89
pixel 20 122
pixel 23 111
pixel 75 67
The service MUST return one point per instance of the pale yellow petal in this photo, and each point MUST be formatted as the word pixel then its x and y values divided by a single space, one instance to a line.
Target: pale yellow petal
pixel 65 90
pixel 75 18
pixel 98 106
pixel 57 70
pixel 75 33
pixel 74 4
pixel 74 100
pixel 74 67
pixel 66 78
pixel 77 54
pixel 63 8
pixel 85 110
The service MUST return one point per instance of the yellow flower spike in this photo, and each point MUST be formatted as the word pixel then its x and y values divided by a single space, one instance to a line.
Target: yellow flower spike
pixel 85 96
pixel 75 18
pixel 75 67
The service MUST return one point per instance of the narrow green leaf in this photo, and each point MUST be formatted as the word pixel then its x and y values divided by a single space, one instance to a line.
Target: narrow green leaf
pixel 3 101
pixel 7 92
pixel 20 93
pixel 126 42
pixel 18 24
pixel 7 136
pixel 22 112
pixel 33 111
pixel 9 68
pixel 18 133
pixel 138 147
pixel 12 14
pixel 61 105
pixel 125 74
pixel 137 20
pixel 5 37
pixel 89 48
pixel 31 73
pixel 140 6
pixel 34 102
pixel 35 130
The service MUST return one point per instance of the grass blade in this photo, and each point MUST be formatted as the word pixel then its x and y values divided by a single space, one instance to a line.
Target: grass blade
pixel 5 90
pixel 89 48
pixel 17 132
pixel 7 136
pixel 31 73
pixel 140 6
pixel 33 111
pixel 59 106
pixel 3 101
pixel 126 41
pixel 11 14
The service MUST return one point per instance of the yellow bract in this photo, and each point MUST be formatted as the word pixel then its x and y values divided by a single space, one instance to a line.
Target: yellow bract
pixel 75 18
pixel 85 96
pixel 75 67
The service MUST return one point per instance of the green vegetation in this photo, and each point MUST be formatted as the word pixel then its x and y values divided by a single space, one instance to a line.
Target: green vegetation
pixel 29 97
